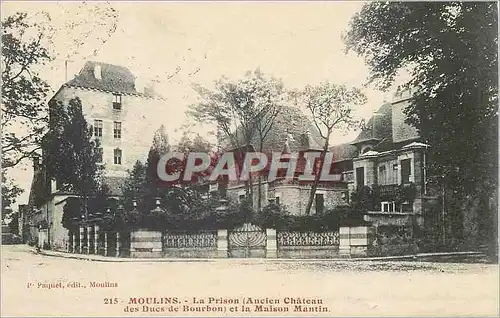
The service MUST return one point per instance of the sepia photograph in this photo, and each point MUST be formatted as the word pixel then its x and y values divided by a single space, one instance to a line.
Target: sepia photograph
pixel 249 158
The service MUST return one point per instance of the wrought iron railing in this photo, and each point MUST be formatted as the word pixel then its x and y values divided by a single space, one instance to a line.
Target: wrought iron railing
pixel 308 238
pixel 181 240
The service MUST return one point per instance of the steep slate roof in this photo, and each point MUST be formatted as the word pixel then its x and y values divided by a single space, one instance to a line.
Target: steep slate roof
pixel 379 127
pixel 343 152
pixel 114 78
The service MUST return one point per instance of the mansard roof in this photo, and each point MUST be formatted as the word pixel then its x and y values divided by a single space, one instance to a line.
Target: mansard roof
pixel 343 152
pixel 378 128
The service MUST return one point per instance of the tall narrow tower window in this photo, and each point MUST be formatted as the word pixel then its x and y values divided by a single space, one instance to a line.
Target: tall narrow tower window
pixel 117 130
pixel 117 156
pixel 98 128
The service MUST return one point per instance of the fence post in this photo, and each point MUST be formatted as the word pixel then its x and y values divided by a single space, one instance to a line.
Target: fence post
pixel 271 244
pixel 117 244
pixel 80 241
pixel 89 230
pixel 96 239
pixel 73 242
pixel 105 243
pixel 222 246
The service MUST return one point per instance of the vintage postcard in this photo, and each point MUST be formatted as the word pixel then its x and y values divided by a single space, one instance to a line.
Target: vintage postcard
pixel 333 158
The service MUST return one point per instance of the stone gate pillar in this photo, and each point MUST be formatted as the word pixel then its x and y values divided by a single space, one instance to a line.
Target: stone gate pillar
pixel 222 244
pixel 345 242
pixel 361 240
pixel 271 244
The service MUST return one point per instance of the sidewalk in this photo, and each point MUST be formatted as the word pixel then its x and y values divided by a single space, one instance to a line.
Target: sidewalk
pixel 417 257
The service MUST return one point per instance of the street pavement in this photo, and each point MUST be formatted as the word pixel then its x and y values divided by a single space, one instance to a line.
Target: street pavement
pixel 38 285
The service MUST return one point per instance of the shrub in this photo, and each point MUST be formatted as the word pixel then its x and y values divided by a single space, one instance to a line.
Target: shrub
pixel 364 198
pixel 273 216
pixel 406 193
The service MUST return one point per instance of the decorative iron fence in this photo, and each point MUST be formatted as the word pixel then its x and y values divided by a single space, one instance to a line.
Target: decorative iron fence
pixel 308 238
pixel 190 240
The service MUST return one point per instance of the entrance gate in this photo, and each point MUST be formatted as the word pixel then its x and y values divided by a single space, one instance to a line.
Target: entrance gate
pixel 247 241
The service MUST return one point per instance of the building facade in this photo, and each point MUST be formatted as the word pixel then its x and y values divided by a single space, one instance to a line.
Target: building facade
pixel 387 158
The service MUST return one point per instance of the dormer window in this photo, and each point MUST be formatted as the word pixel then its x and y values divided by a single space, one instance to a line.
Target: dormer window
pixel 97 72
pixel 117 103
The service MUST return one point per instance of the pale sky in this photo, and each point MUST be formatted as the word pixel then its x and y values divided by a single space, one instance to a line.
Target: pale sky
pixel 299 42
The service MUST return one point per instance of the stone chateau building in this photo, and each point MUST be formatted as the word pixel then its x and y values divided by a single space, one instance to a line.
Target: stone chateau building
pixel 388 155
pixel 124 118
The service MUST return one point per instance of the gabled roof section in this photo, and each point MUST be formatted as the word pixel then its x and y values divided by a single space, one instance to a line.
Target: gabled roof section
pixel 379 127
pixel 105 77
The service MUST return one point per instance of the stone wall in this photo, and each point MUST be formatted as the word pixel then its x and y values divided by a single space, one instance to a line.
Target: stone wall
pixel 293 195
